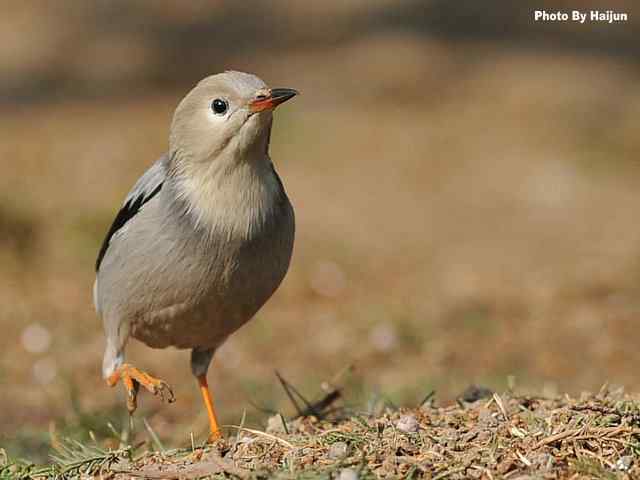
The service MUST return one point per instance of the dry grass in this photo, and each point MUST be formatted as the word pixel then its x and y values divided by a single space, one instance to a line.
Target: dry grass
pixel 499 436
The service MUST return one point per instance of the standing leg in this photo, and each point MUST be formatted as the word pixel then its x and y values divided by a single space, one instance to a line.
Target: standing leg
pixel 200 360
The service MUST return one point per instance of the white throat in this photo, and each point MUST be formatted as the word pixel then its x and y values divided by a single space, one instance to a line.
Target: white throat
pixel 234 199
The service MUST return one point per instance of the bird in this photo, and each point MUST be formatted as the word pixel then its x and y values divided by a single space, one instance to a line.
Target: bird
pixel 202 240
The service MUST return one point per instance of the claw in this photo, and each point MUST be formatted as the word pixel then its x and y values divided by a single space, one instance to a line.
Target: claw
pixel 163 390
pixel 132 397
pixel 132 378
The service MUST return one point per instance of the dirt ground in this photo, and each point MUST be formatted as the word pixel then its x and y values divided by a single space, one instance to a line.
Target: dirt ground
pixel 467 213
pixel 484 436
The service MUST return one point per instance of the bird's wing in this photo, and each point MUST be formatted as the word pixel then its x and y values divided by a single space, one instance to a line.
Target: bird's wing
pixel 147 187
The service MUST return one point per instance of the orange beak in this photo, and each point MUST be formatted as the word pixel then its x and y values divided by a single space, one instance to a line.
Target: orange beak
pixel 270 99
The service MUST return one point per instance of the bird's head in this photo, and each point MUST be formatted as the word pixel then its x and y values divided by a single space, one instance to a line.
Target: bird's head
pixel 226 116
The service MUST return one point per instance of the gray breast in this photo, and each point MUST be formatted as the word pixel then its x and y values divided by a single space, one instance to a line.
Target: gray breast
pixel 172 282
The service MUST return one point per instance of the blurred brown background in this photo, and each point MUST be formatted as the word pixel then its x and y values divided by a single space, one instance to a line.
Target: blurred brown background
pixel 466 182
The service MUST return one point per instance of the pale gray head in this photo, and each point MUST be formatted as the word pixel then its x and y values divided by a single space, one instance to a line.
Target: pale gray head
pixel 226 116
pixel 219 162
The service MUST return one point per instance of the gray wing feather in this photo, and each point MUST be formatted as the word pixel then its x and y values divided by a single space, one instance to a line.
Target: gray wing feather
pixel 147 186
pixel 149 181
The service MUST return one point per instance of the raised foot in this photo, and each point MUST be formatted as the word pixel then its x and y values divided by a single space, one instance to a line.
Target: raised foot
pixel 132 378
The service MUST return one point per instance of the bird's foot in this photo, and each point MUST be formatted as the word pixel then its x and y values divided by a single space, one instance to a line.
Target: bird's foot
pixel 132 378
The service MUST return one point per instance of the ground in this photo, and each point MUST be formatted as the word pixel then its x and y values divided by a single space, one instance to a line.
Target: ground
pixel 484 435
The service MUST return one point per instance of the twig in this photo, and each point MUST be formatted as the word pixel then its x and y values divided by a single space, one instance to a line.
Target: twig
pixel 318 408
pixel 154 438
pixel 262 434
pixel 523 459
pixel 449 472
pixel 288 388
pixel 427 397
pixel 498 401
pixel 242 420
pixel 557 437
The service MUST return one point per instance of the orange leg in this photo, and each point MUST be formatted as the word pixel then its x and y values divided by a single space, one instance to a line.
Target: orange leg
pixel 132 378
pixel 214 427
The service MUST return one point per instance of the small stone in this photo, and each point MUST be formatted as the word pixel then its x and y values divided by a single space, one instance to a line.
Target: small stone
pixel 624 463
pixel 338 451
pixel 275 424
pixel 408 424
pixel 348 474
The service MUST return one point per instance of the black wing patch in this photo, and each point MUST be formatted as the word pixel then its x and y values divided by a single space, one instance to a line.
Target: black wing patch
pixel 126 213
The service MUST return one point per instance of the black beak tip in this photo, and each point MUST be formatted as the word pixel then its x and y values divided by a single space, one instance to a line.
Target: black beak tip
pixel 283 93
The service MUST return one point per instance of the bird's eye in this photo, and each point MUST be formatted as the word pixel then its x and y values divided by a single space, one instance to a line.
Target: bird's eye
pixel 219 106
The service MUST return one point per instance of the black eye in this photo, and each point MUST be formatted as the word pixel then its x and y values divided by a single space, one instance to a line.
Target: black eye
pixel 219 106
